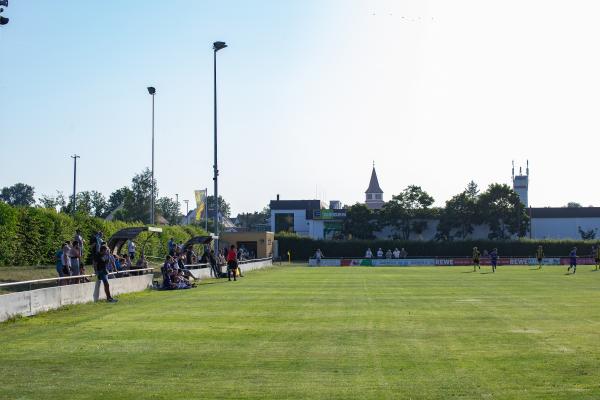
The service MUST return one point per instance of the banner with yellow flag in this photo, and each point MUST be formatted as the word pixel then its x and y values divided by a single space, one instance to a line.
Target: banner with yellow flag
pixel 200 203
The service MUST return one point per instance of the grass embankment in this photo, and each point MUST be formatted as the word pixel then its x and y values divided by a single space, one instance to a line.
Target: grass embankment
pixel 331 333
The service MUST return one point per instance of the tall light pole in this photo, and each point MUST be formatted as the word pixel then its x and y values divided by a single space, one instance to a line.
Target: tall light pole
pixel 74 157
pixel 216 47
pixel 187 217
pixel 152 92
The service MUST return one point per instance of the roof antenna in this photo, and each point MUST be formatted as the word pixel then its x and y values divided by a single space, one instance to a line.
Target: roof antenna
pixel 513 170
pixel 527 167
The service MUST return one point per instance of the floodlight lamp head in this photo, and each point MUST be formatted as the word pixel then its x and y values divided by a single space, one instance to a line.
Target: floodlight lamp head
pixel 151 90
pixel 4 3
pixel 219 45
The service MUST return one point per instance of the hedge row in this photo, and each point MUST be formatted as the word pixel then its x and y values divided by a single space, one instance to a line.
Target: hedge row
pixel 302 248
pixel 31 236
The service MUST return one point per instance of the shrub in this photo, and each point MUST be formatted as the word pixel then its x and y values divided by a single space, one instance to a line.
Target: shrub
pixel 31 236
pixel 302 248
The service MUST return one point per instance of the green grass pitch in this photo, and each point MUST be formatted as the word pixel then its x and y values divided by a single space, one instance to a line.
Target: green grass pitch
pixel 322 333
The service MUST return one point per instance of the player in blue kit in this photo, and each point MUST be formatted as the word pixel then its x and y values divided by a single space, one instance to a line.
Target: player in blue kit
pixel 494 259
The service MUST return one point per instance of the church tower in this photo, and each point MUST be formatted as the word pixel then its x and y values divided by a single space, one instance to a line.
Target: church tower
pixel 374 194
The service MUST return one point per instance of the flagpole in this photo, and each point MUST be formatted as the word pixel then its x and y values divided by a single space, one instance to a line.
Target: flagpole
pixel 206 210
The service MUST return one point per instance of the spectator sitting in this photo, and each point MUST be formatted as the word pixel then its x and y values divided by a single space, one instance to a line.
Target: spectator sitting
pixel 168 283
pixel 396 253
pixel 127 262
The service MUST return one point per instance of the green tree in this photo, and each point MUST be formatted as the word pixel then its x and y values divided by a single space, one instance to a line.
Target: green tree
pixel 224 207
pixel 573 204
pixel 460 214
pixel 18 194
pixel 169 209
pixel 360 222
pixel 136 206
pixel 117 198
pixel 404 212
pixel 92 203
pixel 502 210
pixel 53 202
pixel 250 221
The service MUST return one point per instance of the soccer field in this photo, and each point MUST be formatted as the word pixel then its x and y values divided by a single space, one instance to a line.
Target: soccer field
pixel 326 333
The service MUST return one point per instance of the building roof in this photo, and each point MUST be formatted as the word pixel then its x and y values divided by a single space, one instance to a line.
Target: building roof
pixel 307 205
pixel 374 184
pixel 565 212
pixel 295 204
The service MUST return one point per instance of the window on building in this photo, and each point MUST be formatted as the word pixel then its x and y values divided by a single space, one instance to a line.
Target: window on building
pixel 284 222
pixel 378 196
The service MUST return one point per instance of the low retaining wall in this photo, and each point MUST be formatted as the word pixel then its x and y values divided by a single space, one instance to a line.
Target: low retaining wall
pixel 35 301
pixel 457 261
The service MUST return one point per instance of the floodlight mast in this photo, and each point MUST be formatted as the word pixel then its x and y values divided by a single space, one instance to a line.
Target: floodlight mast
pixel 216 47
pixel 152 92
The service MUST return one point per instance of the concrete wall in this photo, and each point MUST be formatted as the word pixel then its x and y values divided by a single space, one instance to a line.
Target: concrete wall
pixel 204 273
pixel 562 228
pixel 35 301
pixel 263 240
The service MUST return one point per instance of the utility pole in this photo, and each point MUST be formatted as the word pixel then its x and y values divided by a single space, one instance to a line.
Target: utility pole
pixel 74 157
pixel 187 217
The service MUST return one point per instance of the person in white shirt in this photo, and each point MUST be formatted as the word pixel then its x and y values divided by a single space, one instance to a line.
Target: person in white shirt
pixel 131 249
pixel 369 253
pixel 396 253
pixel 79 239
pixel 66 262
pixel 380 253
pixel 318 255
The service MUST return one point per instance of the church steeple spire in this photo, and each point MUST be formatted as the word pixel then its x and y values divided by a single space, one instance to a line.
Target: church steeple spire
pixel 374 194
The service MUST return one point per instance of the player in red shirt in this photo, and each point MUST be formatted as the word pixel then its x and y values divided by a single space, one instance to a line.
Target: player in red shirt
pixel 232 263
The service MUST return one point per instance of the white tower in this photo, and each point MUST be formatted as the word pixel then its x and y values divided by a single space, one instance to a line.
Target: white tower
pixel 521 183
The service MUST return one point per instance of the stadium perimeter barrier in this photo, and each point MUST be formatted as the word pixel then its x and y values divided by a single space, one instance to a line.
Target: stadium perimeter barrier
pixel 31 302
pixel 34 301
pixel 439 261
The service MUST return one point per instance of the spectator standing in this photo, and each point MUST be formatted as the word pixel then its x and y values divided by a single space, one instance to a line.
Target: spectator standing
pixel 131 249
pixel 388 254
pixel 79 239
pixel 66 261
pixel 396 253
pixel 403 253
pixel 171 246
pixel 75 255
pixel 380 253
pixel 213 264
pixel 318 256
pixel 102 261
pixel 59 264
pixel 369 253
pixel 232 263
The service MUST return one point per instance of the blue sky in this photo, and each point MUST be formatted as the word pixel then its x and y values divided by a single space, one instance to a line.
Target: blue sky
pixel 310 93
